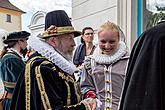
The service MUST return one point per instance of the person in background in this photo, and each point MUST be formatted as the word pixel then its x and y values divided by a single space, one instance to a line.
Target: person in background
pixel 144 87
pixel 12 65
pixel 48 82
pixel 103 72
pixel 85 48
pixel 3 33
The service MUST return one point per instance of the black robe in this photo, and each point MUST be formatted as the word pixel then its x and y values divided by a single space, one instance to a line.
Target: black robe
pixel 58 88
pixel 144 88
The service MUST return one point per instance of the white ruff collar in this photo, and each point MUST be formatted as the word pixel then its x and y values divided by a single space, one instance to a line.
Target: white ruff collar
pixel 108 59
pixel 51 54
pixel 14 50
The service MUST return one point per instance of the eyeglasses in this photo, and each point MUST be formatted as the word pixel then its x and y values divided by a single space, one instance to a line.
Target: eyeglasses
pixel 88 33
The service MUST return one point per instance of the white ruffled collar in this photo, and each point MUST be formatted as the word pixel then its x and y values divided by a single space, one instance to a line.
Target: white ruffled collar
pixel 14 50
pixel 109 59
pixel 51 54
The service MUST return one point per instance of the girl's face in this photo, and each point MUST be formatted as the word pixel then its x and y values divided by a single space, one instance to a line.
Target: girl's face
pixel 108 41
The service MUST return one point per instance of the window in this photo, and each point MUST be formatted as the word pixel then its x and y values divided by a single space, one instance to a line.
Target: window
pixel 8 18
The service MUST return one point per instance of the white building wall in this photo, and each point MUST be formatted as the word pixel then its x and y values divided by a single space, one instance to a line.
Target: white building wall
pixel 95 12
pixel 127 20
pixel 14 25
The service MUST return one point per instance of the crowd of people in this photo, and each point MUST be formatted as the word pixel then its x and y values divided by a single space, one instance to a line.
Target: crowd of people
pixel 110 78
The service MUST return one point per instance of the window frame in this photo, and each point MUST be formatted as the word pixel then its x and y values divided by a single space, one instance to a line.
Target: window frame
pixel 8 18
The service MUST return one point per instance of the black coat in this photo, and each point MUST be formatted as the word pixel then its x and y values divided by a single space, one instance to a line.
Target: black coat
pixel 59 87
pixel 80 54
pixel 144 87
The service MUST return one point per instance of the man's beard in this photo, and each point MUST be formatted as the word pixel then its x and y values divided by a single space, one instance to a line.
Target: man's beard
pixel 23 51
pixel 68 56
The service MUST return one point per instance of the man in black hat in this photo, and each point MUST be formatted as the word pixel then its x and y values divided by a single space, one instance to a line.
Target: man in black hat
pixel 144 88
pixel 12 64
pixel 48 83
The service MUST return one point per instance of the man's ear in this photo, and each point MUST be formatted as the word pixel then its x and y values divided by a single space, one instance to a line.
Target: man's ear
pixel 52 41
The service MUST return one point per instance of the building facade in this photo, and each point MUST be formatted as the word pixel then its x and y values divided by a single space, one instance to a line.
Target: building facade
pixel 130 15
pixel 10 16
pixel 37 23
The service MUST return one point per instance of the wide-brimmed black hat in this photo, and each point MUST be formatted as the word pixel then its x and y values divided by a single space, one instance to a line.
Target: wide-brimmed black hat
pixel 58 23
pixel 14 36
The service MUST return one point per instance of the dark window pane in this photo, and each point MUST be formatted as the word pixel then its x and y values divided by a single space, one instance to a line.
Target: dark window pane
pixel 8 18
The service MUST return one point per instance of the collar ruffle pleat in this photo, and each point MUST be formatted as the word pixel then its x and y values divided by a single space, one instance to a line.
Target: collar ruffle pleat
pixel 14 50
pixel 51 54
pixel 109 59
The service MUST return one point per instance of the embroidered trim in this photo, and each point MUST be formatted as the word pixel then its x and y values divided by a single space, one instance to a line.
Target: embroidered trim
pixel 27 85
pixel 28 81
pixel 108 86
pixel 67 78
pixel 9 84
pixel 70 106
pixel 78 96
pixel 69 94
pixel 40 82
pixel 53 30
pixel 107 59
pixel 51 54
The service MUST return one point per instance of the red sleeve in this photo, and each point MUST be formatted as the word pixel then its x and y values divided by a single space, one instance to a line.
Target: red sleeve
pixel 90 94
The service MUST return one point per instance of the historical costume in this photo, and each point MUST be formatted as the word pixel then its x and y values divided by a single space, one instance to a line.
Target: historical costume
pixel 11 65
pixel 144 87
pixel 103 76
pixel 48 81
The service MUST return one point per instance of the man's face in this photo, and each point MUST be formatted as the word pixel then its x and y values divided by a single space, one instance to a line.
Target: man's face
pixel 65 44
pixel 108 41
pixel 23 45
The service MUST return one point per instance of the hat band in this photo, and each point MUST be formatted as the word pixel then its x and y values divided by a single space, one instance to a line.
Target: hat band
pixel 53 30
